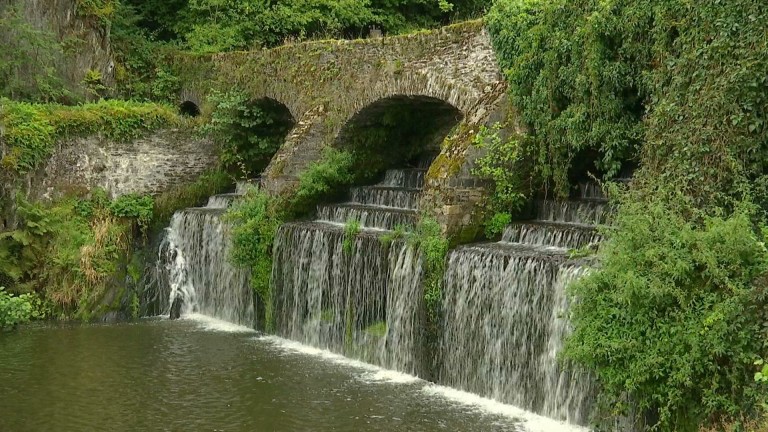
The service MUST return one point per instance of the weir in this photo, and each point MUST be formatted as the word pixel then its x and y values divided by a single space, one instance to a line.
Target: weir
pixel 192 274
pixel 504 305
pixel 361 296
pixel 364 299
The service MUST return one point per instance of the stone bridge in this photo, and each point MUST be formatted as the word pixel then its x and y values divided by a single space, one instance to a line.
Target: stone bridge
pixel 328 85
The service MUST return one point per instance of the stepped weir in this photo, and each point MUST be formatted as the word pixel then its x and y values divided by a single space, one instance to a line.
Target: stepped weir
pixel 503 303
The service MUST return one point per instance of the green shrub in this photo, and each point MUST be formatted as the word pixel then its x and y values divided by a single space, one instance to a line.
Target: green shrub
pixel 503 164
pixel 255 219
pixel 323 179
pixel 674 317
pixel 133 206
pixel 575 75
pixel 250 132
pixel 428 237
pixel 16 310
pixel 351 230
pixel 495 226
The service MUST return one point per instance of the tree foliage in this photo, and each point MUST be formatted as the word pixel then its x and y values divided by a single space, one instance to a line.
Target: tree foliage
pixel 30 60
pixel 672 320
pixel 216 25
pixel 597 80
pixel 250 132
pixel 675 316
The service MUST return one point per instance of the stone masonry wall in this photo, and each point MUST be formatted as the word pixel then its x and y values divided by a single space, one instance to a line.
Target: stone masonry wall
pixel 148 165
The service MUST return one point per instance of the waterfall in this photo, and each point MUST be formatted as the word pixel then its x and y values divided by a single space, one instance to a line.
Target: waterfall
pixel 362 301
pixel 504 306
pixel 192 267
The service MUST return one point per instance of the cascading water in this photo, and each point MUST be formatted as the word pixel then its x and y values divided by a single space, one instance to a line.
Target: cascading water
pixel 192 270
pixel 504 303
pixel 362 300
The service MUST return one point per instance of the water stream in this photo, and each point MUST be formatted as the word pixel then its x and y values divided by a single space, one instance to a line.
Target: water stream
pixel 362 301
pixel 504 305
pixel 192 269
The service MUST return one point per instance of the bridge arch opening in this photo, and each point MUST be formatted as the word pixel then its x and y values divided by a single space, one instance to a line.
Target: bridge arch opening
pixel 397 131
pixel 189 109
pixel 253 131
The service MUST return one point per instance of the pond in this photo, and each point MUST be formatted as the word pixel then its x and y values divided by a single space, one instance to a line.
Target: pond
pixel 199 374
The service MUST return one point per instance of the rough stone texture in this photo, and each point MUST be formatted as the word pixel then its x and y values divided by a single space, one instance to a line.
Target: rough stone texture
pixel 452 194
pixel 147 165
pixel 325 84
pixel 87 39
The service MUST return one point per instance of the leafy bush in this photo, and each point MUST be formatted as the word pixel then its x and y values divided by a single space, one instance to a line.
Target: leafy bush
pixel 433 245
pixel 674 317
pixel 574 70
pixel 495 226
pixel 502 164
pixel 595 80
pixel 250 132
pixel 255 219
pixel 133 206
pixel 351 230
pixel 16 310
pixel 322 179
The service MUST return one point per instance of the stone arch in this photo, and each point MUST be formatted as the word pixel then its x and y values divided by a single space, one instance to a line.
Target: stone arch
pixel 189 109
pixel 258 134
pixel 191 96
pixel 399 127
pixel 420 83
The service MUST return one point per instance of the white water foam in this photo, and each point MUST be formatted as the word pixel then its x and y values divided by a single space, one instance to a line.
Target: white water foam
pixel 213 324
pixel 530 421
pixel 372 373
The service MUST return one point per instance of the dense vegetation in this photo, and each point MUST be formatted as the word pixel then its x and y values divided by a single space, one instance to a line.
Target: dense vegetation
pixel 674 319
pixel 250 132
pixel 16 310
pixel 69 253
pixel 211 25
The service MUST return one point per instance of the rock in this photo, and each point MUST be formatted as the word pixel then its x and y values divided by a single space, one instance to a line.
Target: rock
pixel 176 308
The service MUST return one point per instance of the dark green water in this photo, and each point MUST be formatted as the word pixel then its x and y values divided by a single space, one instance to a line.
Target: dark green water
pixel 164 375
